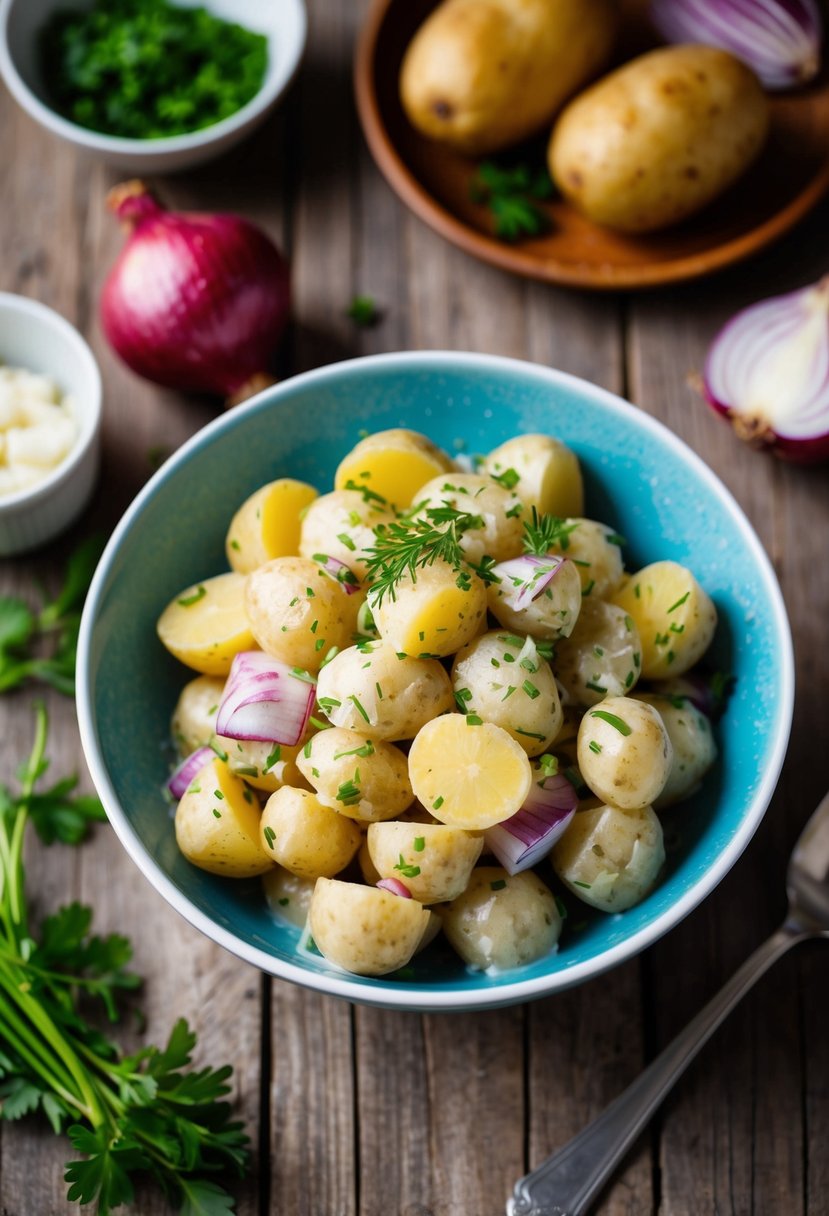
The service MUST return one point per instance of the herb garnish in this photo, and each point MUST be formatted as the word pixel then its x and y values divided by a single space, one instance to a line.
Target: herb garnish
pixel 408 871
pixel 363 311
pixel 403 547
pixel 543 532
pixel 512 195
pixel 615 721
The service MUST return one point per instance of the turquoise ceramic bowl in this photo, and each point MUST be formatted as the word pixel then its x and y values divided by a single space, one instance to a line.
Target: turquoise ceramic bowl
pixel 639 477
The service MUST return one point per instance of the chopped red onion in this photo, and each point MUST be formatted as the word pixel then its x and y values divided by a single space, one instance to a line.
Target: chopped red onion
pixel 265 701
pixel 524 578
pixel 339 571
pixel 187 770
pixel 395 886
pixel 779 40
pixel 522 840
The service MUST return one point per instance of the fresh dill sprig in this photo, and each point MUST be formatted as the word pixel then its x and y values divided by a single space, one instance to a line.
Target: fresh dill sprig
pixel 406 545
pixel 544 531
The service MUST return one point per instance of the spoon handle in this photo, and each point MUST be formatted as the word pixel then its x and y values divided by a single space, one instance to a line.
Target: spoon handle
pixel 567 1182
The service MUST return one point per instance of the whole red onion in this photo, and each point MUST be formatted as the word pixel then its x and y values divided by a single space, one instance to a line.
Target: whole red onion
pixel 195 302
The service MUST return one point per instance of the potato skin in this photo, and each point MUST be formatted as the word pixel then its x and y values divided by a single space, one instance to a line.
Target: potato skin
pixel 611 858
pixel 628 770
pixel 657 139
pixel 502 921
pixel 482 74
pixel 365 930
pixel 443 860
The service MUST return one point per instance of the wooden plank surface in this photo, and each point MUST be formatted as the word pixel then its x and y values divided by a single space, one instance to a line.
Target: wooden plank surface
pixel 365 1112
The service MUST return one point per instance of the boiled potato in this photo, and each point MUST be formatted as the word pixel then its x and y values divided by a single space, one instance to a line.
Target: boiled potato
pixel 365 930
pixel 267 524
pixel 360 778
pixel 297 612
pixel 305 837
pixel 552 614
pixel 610 858
pixel 675 618
pixel 433 860
pixel 502 921
pixel 593 548
pixel 431 615
pixel 340 525
pixel 510 686
pixel 217 824
pixel 548 472
pixel 480 76
pixel 206 624
pixel 500 512
pixel 624 752
pixel 288 895
pixel 692 740
pixel 602 656
pixel 265 766
pixel 389 467
pixel 373 690
pixel 660 137
pixel 194 717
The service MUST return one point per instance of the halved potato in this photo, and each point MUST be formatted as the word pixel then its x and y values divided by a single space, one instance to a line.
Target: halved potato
pixel 206 624
pixel 217 824
pixel 391 466
pixel 675 617
pixel 267 524
pixel 365 930
pixel 433 860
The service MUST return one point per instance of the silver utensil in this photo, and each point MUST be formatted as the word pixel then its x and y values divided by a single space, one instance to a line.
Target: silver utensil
pixel 568 1181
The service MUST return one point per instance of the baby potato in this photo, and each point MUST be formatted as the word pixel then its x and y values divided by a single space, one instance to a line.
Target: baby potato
pixel 500 511
pixel 431 615
pixel 365 930
pixel 362 779
pixel 305 837
pixel 624 752
pixel 391 466
pixel 602 656
pixel 267 524
pixel 549 475
pixel 610 858
pixel 194 717
pixel 692 741
pixel 206 625
pixel 297 612
pixel 288 895
pixel 660 137
pixel 502 921
pixel 367 867
pixel 397 695
pixel 593 548
pixel 217 824
pixel 265 766
pixel 518 694
pixel 675 618
pixel 340 525
pixel 552 614
pixel 433 860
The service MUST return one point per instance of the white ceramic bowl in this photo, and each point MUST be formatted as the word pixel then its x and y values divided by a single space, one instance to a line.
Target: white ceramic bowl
pixel 284 22
pixel 35 337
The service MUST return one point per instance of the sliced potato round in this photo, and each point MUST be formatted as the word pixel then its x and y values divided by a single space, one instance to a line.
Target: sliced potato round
pixel 194 717
pixel 431 616
pixel 611 858
pixel 206 624
pixel 267 524
pixel 391 465
pixel 288 895
pixel 552 614
pixel 624 752
pixel 549 476
pixel 364 779
pixel 602 656
pixel 502 921
pixel 382 693
pixel 433 860
pixel 340 525
pixel 692 740
pixel 217 824
pixel 365 930
pixel 500 512
pixel 676 619
pixel 305 837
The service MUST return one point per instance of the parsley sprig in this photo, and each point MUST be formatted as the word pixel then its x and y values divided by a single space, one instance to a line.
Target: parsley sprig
pixel 148 1113
pixel 512 195
pixel 409 544
pixel 42 645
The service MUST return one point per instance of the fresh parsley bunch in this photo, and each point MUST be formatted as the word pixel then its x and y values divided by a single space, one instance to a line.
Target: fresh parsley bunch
pixel 148 1113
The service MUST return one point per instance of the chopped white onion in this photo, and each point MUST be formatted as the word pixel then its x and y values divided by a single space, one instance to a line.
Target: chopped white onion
pixel 524 578
pixel 265 701
pixel 522 840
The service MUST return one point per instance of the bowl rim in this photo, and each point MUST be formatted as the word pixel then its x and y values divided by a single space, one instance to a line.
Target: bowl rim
pixel 404 995
pixel 88 416
pixel 116 145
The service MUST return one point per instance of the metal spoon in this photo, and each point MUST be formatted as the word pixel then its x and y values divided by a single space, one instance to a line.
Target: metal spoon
pixel 568 1181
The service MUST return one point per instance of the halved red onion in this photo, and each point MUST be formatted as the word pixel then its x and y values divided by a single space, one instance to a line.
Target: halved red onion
pixel 524 578
pixel 265 701
pixel 187 770
pixel 768 372
pixel 339 571
pixel 395 886
pixel 522 840
pixel 779 40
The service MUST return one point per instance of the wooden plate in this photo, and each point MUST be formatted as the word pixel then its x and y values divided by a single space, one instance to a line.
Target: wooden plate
pixel 790 176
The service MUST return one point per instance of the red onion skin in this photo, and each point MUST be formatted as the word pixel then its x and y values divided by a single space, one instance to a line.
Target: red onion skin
pixel 195 302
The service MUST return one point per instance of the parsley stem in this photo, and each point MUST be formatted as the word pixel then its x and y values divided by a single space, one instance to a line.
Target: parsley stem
pixel 30 774
pixel 47 1064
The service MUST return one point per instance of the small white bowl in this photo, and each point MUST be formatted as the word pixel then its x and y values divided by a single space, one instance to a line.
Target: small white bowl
pixel 283 22
pixel 35 337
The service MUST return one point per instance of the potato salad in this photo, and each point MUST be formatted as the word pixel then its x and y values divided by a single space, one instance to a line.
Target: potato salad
pixel 432 701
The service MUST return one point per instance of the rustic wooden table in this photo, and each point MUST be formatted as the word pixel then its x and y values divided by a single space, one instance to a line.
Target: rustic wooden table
pixel 356 1111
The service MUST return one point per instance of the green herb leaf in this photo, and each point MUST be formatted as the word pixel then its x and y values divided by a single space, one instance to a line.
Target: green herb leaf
pixel 363 311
